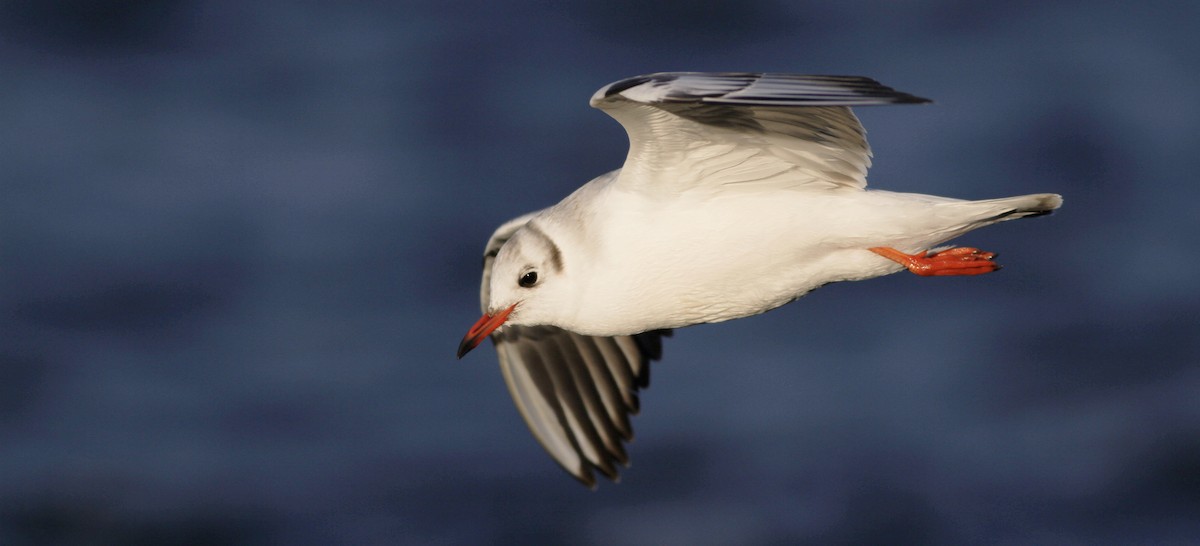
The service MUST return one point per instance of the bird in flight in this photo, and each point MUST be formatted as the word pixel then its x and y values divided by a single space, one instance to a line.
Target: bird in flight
pixel 741 192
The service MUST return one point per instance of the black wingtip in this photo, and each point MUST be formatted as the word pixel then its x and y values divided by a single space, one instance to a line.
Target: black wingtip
pixel 905 98
pixel 584 476
pixel 870 87
pixel 617 87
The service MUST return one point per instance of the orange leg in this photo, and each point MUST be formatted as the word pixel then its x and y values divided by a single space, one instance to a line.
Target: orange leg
pixel 953 261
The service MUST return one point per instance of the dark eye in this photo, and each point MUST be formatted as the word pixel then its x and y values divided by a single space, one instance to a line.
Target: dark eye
pixel 528 279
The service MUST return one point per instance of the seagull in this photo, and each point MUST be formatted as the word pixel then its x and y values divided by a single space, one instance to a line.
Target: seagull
pixel 741 192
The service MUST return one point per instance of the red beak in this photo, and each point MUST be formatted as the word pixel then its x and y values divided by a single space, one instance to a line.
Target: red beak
pixel 481 330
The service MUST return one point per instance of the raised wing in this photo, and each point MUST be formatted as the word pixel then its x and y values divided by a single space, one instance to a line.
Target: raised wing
pixel 575 392
pixel 732 128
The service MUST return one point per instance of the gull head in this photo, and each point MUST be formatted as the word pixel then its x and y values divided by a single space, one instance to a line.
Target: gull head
pixel 525 286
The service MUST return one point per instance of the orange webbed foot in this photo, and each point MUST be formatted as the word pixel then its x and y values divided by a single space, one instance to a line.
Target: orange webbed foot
pixel 952 261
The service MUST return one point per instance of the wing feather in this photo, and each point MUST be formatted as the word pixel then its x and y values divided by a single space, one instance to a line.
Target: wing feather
pixel 606 386
pixel 581 432
pixel 688 129
pixel 532 390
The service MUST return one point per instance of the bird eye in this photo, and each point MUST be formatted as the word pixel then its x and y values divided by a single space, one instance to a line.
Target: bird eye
pixel 528 279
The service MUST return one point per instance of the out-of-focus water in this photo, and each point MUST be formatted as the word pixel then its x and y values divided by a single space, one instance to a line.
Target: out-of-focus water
pixel 239 245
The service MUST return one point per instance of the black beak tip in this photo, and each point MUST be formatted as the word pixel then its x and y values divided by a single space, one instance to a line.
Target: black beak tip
pixel 465 347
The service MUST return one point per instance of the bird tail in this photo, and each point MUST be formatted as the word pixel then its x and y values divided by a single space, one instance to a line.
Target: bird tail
pixel 1011 208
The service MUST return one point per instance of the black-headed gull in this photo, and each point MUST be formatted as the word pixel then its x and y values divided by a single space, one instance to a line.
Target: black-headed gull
pixel 741 192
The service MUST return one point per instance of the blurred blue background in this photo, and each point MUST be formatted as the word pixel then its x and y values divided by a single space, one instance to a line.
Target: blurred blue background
pixel 239 243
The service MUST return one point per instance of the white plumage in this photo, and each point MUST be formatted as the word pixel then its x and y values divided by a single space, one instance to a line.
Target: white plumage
pixel 741 192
